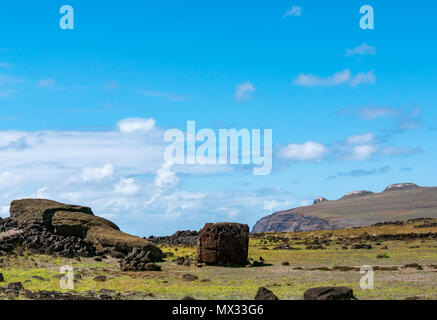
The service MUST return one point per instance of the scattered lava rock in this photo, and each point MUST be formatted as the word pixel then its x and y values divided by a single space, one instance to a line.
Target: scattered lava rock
pixel 362 246
pixel 414 265
pixel 100 278
pixel 38 239
pixel 329 293
pixel 185 238
pixel 265 294
pixel 189 277
pixel 139 260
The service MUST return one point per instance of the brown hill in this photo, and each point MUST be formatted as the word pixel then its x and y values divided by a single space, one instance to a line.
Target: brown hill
pixel 401 201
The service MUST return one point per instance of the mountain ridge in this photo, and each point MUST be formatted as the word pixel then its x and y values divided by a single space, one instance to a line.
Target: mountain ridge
pixel 401 201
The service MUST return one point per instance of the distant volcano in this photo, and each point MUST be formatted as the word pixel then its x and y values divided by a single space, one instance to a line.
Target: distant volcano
pixel 402 201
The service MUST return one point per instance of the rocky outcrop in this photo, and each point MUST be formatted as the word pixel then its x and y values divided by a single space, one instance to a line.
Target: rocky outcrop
pixel 292 223
pixel 224 243
pixel 329 293
pixel 77 221
pixel 356 194
pixel 401 187
pixel 184 238
pixel 319 200
pixel 108 238
pixel 41 211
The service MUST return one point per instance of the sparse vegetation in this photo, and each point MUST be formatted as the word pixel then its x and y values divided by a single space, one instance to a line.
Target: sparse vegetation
pixel 307 268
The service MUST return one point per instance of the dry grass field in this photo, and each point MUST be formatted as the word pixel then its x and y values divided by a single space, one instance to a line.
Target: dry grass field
pixel 314 259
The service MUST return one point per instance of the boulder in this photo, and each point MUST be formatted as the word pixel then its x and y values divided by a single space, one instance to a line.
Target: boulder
pixel 329 293
pixel 225 243
pixel 265 294
pixel 108 238
pixel 189 277
pixel 41 211
pixel 77 224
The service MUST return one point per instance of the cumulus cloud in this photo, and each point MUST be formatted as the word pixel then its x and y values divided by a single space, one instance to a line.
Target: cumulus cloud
pixel 244 91
pixel 338 78
pixel 303 152
pixel 361 139
pixel 295 11
pixel 132 125
pixel 97 174
pixel 165 177
pixel 362 50
pixel 126 186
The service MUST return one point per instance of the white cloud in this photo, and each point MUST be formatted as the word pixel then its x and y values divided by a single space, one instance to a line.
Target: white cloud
pixel 244 91
pixel 361 139
pixel 136 125
pixel 126 186
pixel 363 152
pixel 97 174
pixel 4 211
pixel 273 205
pixel 295 11
pixel 338 78
pixel 42 193
pixel 303 152
pixel 362 50
pixel 165 177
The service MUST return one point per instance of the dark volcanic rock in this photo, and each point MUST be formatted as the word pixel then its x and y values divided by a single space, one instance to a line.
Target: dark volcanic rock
pixel 185 238
pixel 140 260
pixel 37 238
pixel 225 243
pixel 189 277
pixel 329 293
pixel 265 294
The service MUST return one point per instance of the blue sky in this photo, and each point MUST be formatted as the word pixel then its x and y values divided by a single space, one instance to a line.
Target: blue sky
pixel 350 109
